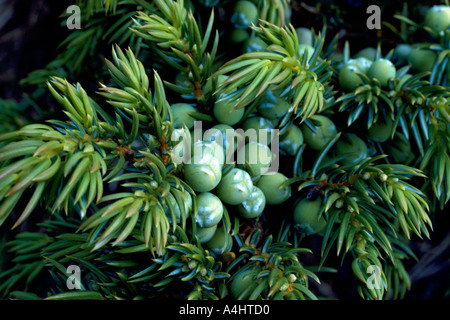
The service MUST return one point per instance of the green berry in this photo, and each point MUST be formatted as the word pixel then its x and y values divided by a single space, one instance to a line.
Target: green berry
pixel 438 18
pixel 304 36
pixel 381 131
pixel 275 122
pixel 400 150
pixel 421 59
pixel 262 128
pixel 245 13
pixel 244 283
pixel 273 105
pixel 254 205
pixel 203 173
pixel 235 187
pixel 226 136
pixel 209 210
pixel 212 84
pixel 184 146
pixel 206 234
pixel 353 147
pixel 304 48
pixel 348 77
pixel 270 186
pixel 254 157
pixel 239 35
pixel 308 216
pixel 206 148
pixel 221 242
pixel 291 140
pixel 401 52
pixel 181 115
pixel 382 70
pixel 325 130
pixel 254 43
pixel 225 113
pixel 369 53
pixel 363 64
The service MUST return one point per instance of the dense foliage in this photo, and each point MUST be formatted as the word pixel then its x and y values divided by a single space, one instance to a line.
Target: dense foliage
pixel 364 154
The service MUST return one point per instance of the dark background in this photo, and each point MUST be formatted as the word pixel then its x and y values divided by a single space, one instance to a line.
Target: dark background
pixel 30 31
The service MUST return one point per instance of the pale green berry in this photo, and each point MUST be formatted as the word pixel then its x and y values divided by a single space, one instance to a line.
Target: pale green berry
pixel 203 173
pixel 254 157
pixel 235 187
pixel 353 147
pixel 245 13
pixel 221 242
pixel 205 234
pixel 291 140
pixel 271 186
pixel 438 18
pixel 382 70
pixel 254 205
pixel 368 53
pixel 225 113
pixel 210 210
pixel 308 216
pixel 304 36
pixel 261 127
pixel 422 60
pixel 325 130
